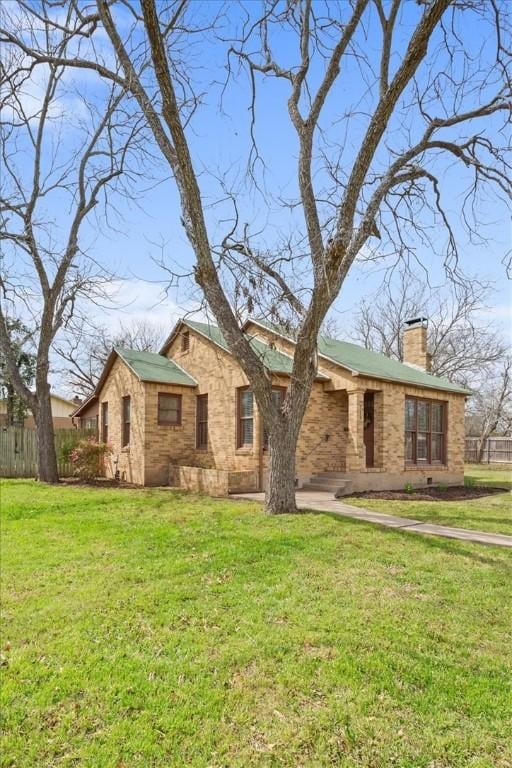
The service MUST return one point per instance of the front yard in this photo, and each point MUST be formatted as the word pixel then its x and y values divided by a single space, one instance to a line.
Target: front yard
pixel 489 513
pixel 153 629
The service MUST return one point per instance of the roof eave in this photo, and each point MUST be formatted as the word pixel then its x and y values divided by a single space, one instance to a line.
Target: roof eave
pixel 83 405
pixel 149 380
pixel 167 343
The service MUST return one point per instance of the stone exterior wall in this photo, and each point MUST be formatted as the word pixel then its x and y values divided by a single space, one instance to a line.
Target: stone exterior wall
pixel 130 460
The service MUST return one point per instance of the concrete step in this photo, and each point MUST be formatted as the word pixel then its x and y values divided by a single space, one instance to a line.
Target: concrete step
pixel 327 484
pixel 336 487
pixel 331 475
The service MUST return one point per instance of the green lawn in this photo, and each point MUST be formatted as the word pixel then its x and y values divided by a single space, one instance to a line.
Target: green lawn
pixel 488 513
pixel 153 629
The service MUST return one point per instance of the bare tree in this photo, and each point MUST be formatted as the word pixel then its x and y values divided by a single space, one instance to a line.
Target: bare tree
pixel 370 160
pixel 52 180
pixel 462 344
pixel 85 349
pixel 490 409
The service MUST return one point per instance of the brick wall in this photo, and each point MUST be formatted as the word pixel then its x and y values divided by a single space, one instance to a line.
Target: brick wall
pixel 415 347
pixel 164 443
pixel 334 410
pixel 390 469
pixel 130 461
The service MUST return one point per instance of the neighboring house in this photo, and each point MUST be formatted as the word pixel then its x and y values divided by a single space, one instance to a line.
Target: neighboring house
pixel 85 414
pixel 186 416
pixel 61 412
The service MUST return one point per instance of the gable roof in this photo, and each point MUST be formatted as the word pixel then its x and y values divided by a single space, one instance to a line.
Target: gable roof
pixel 85 404
pixel 274 360
pixel 151 366
pixel 364 362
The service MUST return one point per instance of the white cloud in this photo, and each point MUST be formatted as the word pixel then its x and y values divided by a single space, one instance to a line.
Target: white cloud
pixel 134 300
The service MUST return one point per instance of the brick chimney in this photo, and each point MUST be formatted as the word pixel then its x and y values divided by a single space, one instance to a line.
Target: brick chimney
pixel 415 343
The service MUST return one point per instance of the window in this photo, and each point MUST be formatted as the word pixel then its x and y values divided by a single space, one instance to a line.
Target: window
pixel 278 394
pixel 245 424
pixel 169 409
pixel 104 422
pixel 202 422
pixel 90 422
pixel 424 431
pixel 185 341
pixel 125 425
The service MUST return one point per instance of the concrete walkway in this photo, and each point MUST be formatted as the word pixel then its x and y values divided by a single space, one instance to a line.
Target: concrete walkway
pixel 324 502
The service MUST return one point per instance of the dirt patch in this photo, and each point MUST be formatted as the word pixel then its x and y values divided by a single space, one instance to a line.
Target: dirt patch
pixel 98 482
pixel 434 493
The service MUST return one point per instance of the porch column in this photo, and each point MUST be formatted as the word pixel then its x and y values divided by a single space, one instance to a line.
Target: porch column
pixel 356 459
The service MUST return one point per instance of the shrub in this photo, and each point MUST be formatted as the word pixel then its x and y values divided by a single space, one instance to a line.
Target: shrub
pixel 409 488
pixel 469 482
pixel 88 458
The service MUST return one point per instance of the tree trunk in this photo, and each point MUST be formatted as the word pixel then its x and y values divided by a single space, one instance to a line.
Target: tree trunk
pixel 481 449
pixel 280 494
pixel 46 455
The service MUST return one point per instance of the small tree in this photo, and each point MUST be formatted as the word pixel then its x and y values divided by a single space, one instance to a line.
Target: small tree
pixel 88 458
pixel 26 365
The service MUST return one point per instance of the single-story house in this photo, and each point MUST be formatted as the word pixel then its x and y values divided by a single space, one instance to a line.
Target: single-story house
pixel 186 416
pixel 61 413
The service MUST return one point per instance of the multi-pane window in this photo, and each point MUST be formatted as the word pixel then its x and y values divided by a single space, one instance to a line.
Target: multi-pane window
pixel 169 409
pixel 125 424
pixel 278 394
pixel 104 422
pixel 245 425
pixel 202 422
pixel 424 431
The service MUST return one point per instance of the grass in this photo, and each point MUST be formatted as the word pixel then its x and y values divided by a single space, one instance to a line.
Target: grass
pixel 151 629
pixel 489 513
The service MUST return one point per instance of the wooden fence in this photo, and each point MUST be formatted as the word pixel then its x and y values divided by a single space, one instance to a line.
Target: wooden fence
pixel 497 450
pixel 18 450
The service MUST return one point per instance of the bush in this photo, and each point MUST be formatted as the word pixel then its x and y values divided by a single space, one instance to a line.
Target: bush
pixel 88 458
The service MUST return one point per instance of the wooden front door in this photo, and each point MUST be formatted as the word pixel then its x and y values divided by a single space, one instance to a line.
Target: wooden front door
pixel 369 429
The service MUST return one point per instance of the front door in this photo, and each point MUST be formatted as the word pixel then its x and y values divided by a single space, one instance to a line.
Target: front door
pixel 369 428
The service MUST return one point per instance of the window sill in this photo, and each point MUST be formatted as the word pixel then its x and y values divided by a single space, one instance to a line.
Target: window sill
pixel 172 426
pixel 428 467
pixel 244 451
pixel 125 449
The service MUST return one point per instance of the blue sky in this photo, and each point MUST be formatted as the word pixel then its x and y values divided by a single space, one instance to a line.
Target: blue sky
pixel 220 140
pixel 149 226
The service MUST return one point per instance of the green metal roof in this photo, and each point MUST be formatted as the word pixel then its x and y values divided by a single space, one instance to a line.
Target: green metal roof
pixel 272 359
pixel 367 363
pixel 150 366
